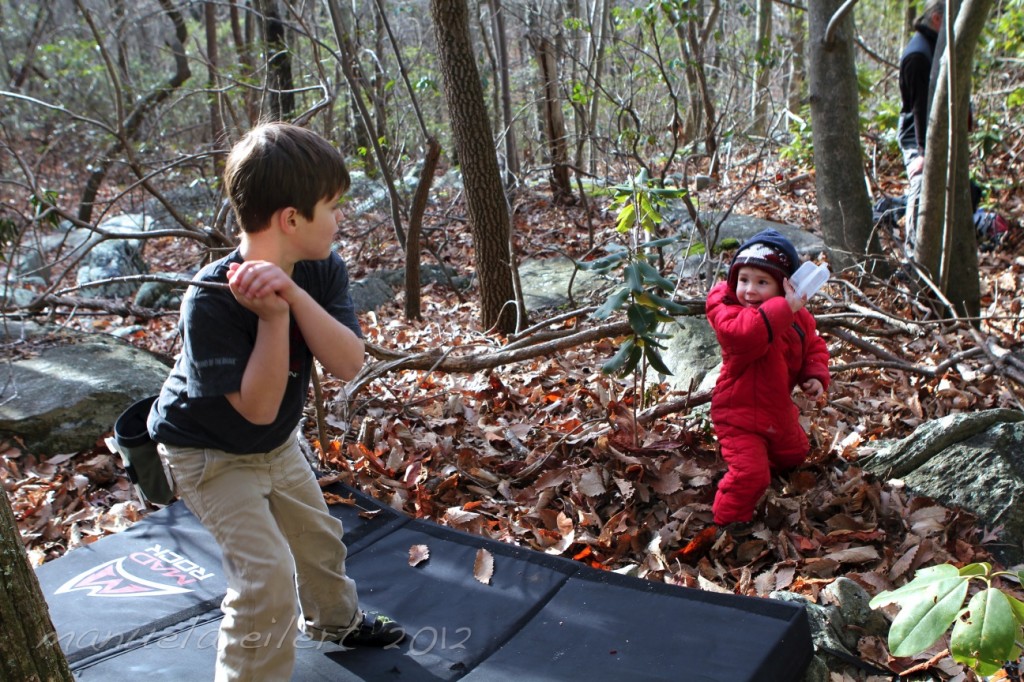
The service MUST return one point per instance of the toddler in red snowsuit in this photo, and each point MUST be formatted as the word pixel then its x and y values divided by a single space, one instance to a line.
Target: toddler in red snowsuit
pixel 769 345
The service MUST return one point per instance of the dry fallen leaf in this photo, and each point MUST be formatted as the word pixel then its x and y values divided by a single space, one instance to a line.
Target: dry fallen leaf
pixel 418 554
pixel 483 567
pixel 698 546
pixel 854 555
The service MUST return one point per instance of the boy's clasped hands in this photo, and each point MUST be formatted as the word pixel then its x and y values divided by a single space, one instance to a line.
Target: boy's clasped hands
pixel 260 286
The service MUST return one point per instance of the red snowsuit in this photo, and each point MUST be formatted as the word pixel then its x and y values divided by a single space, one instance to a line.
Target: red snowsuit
pixel 766 351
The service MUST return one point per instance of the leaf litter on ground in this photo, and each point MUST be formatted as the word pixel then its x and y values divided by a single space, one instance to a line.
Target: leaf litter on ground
pixel 545 454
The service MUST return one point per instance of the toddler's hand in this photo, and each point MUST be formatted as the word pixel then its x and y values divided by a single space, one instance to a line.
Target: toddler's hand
pixel 813 388
pixel 795 302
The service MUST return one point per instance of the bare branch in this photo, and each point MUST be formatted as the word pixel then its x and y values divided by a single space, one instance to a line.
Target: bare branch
pixel 833 24
pixel 165 279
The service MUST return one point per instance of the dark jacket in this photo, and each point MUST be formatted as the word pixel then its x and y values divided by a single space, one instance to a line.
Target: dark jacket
pixel 915 77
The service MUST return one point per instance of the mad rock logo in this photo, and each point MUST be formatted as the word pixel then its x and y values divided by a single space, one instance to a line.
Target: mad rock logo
pixel 154 572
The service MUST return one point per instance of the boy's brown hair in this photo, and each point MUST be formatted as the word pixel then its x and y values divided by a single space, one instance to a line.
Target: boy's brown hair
pixel 280 165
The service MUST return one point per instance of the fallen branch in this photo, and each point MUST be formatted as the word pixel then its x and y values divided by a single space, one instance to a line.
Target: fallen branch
pixel 446 360
pixel 105 305
pixel 664 409
pixel 983 342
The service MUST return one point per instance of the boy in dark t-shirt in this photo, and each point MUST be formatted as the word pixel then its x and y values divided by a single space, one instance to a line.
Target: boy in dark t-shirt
pixel 227 416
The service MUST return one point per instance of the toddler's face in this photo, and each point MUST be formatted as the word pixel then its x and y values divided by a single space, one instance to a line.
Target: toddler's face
pixel 754 286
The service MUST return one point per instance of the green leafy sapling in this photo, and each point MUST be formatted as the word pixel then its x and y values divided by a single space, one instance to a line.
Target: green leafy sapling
pixel 639 213
pixel 645 307
pixel 986 634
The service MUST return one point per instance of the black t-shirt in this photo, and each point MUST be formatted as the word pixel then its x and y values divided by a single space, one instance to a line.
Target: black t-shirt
pixel 218 335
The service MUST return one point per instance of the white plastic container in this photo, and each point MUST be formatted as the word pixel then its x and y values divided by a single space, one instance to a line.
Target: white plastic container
pixel 809 278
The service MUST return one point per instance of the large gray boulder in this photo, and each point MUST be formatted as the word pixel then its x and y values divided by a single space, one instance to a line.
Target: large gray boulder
pixel 68 388
pixel 370 293
pixel 837 624
pixel 554 282
pixel 974 461
pixel 739 228
pixel 118 257
pixel 691 353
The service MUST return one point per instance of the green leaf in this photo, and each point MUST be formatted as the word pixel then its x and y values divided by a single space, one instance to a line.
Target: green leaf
pixel 1018 608
pixel 624 363
pixel 668 305
pixel 619 359
pixel 661 335
pixel 655 361
pixel 642 320
pixel 626 218
pixel 613 303
pixel 669 192
pixel 632 362
pixel 981 568
pixel 634 280
pixel 603 264
pixel 653 277
pixel 694 249
pixel 658 243
pixel 987 632
pixel 925 619
pixel 917 587
pixel 650 215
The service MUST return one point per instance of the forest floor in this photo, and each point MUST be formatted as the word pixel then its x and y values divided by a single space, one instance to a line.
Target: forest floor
pixel 546 453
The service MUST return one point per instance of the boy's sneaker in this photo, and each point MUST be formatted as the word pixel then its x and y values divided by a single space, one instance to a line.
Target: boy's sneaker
pixel 375 630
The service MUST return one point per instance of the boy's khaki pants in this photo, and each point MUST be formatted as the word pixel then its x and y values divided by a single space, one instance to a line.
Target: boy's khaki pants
pixel 268 515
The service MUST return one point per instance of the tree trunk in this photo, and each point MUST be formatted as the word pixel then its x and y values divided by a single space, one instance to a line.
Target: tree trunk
pixel 131 126
pixel 909 17
pixel 602 17
pixel 759 95
pixel 412 238
pixel 693 30
pixel 217 133
pixel 29 648
pixel 844 208
pixel 341 20
pixel 546 52
pixel 243 49
pixel 798 65
pixel 44 16
pixel 947 245
pixel 377 86
pixel 485 198
pixel 698 43
pixel 512 170
pixel 279 61
pixel 694 120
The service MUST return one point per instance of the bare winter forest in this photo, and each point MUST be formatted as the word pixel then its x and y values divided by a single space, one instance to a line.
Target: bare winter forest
pixel 547 130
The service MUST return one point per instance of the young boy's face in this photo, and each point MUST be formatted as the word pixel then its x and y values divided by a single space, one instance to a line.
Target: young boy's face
pixel 754 286
pixel 317 235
